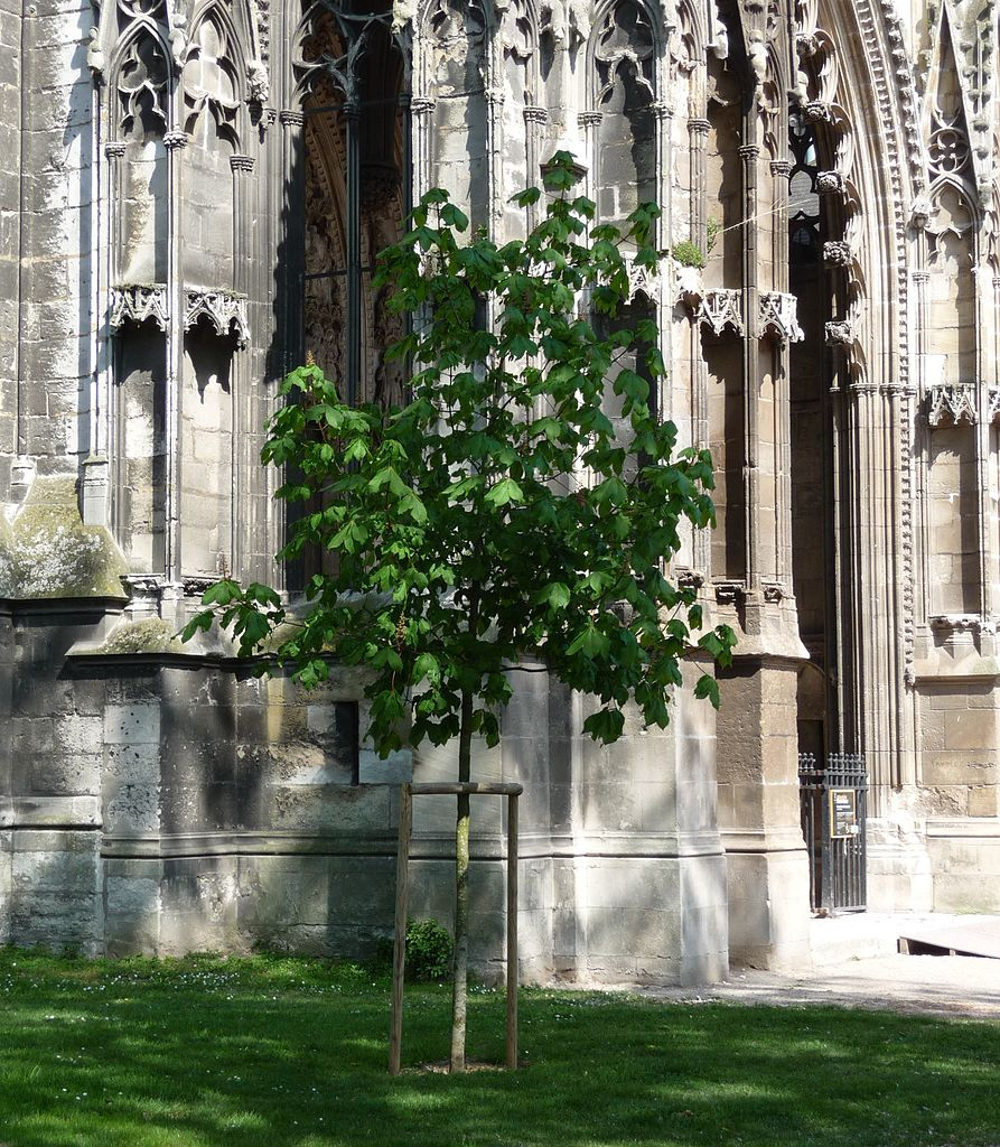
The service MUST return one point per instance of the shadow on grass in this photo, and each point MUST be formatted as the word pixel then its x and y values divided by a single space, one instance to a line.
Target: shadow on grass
pixel 272 1052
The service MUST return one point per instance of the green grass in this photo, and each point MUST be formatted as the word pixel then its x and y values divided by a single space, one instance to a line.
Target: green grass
pixel 271 1051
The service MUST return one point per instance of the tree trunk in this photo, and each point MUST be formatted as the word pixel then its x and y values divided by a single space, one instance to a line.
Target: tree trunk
pixel 461 976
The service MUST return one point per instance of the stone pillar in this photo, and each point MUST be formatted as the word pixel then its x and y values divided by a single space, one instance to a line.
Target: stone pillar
pixel 535 119
pixel 174 142
pixel 10 194
pixel 6 792
pixel 245 459
pixel 759 812
pixel 623 876
pixel 590 124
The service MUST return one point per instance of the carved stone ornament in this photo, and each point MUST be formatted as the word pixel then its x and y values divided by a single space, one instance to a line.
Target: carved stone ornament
pixel 957 622
pixel 258 82
pixel 994 409
pixel 806 44
pixel 840 332
pixel 729 592
pixel 921 210
pixel 818 111
pixel 951 405
pixel 778 315
pixel 95 54
pixel 136 304
pixel 225 310
pixel 837 253
pixel 829 182
pixel 721 307
pixel 689 287
pixel 641 281
pixel 404 12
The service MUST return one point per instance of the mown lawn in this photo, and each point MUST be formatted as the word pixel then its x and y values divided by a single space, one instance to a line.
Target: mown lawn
pixel 271 1051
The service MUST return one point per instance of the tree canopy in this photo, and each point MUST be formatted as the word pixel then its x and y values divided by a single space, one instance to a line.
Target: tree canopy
pixel 525 503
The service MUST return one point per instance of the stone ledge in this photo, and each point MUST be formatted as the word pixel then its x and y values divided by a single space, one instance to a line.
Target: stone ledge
pixel 156 846
pixel 965 828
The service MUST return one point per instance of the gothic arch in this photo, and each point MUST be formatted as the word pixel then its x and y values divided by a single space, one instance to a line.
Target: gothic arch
pixel 846 66
pixel 216 51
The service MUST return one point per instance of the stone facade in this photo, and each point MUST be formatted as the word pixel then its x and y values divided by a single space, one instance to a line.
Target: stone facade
pixel 191 196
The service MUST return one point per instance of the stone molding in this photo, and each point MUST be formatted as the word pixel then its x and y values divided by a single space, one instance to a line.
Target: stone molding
pixel 963 623
pixel 225 310
pixel 721 307
pixel 642 281
pixel 951 405
pixel 137 304
pixel 778 315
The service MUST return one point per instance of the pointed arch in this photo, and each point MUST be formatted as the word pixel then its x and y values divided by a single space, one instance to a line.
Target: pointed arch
pixel 215 74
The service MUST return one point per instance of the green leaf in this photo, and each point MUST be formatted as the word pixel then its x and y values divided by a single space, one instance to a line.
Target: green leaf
pixel 426 666
pixel 707 686
pixel 505 491
pixel 557 594
pixel 200 622
pixel 222 593
pixel 590 641
pixel 526 198
pixel 606 725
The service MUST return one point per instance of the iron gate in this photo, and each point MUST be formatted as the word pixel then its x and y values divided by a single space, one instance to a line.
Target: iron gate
pixel 834 801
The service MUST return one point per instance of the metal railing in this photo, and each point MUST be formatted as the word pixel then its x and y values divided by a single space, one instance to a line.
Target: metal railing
pixel 834 805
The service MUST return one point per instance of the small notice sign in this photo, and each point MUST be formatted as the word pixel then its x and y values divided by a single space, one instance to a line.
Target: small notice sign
pixel 843 813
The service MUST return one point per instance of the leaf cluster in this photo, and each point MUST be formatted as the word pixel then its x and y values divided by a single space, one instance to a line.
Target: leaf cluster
pixel 522 506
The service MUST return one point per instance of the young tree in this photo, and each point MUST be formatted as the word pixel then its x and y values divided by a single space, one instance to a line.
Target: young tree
pixel 501 513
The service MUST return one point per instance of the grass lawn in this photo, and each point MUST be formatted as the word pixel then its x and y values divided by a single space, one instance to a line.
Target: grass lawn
pixel 271 1051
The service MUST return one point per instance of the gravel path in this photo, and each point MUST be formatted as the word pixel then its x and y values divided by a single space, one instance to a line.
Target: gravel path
pixel 960 986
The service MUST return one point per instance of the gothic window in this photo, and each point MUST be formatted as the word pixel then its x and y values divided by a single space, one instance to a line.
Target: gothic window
pixel 804 243
pixel 142 88
pixel 456 67
pixel 520 116
pixel 210 82
pixel 624 55
pixel 353 195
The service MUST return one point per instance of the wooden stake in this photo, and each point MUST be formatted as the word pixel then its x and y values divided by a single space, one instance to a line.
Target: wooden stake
pixel 512 932
pixel 399 933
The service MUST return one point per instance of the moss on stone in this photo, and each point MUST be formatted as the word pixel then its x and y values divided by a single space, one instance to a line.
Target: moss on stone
pixel 151 635
pixel 6 556
pixel 49 552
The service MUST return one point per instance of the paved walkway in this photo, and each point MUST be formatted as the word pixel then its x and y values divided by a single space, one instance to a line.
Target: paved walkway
pixel 855 964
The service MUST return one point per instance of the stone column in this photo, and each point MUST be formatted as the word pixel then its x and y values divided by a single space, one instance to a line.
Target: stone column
pixel 751 377
pixel 535 119
pixel 701 558
pixel 590 125
pixel 768 872
pixel 244 456
pixel 698 138
pixel 174 142
pixel 11 175
pixel 421 109
pixel 780 170
pixel 623 877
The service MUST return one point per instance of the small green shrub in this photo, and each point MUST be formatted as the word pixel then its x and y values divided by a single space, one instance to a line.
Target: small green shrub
pixel 687 254
pixel 429 951
pixel 713 229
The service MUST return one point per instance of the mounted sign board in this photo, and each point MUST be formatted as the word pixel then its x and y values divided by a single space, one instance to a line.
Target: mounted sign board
pixel 843 814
